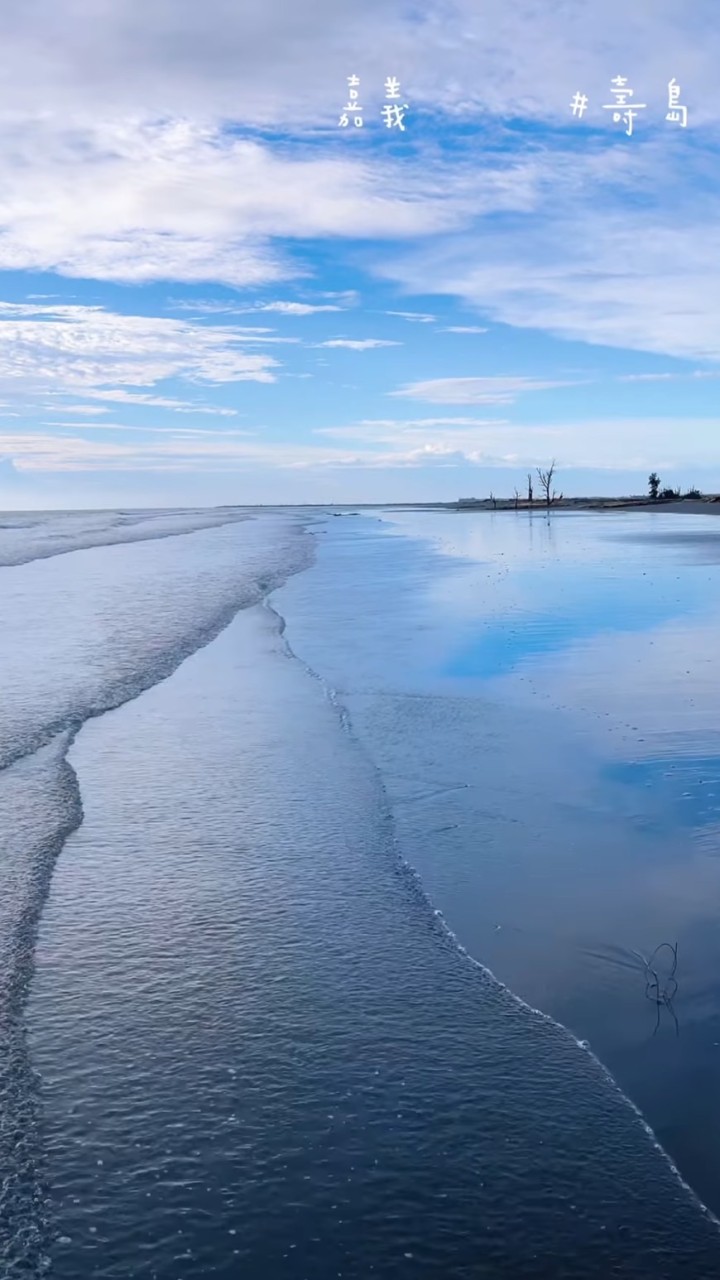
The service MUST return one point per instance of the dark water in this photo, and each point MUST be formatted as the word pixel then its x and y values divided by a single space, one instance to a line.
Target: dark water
pixel 252 1047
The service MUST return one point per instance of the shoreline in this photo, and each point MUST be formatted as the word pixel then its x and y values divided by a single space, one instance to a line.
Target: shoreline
pixel 686 506
pixel 552 842
pixel 709 505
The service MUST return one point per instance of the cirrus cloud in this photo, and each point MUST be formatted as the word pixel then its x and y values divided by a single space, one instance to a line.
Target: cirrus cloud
pixel 492 390
pixel 358 344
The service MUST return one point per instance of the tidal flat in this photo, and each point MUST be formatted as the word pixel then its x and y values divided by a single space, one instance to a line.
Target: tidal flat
pixel 328 843
pixel 541 697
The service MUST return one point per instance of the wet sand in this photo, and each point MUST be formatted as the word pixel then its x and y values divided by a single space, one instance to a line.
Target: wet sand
pixel 541 699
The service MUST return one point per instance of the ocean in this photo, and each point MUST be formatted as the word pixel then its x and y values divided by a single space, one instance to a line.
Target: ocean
pixel 335 851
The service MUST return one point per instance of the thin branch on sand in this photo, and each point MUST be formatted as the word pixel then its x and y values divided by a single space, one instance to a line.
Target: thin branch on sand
pixel 661 992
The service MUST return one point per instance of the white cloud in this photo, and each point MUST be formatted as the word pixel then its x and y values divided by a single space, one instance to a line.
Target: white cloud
pixel 463 328
pixel 121 156
pixel 91 350
pixel 138 200
pixel 419 317
pixel 346 297
pixel 358 344
pixel 88 410
pixel 297 308
pixel 160 402
pixel 602 444
pixel 471 437
pixel 130 142
pixel 180 433
pixel 189 451
pixel 494 390
pixel 266 61
pixel 387 429
pixel 592 262
pixel 646 377
pixel 51 453
pixel 290 309
pixel 213 307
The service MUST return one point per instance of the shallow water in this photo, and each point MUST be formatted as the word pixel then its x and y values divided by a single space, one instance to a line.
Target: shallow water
pixel 542 701
pixel 252 1047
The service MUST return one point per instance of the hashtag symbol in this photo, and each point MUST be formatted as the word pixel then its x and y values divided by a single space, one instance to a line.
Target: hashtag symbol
pixel 579 104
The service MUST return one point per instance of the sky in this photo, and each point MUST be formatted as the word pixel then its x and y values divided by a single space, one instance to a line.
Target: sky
pixel 213 292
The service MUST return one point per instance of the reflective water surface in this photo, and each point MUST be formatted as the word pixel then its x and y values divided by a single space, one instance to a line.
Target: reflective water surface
pixel 236 1038
pixel 542 699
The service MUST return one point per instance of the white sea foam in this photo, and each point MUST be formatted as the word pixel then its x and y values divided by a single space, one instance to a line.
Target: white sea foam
pixel 27 536
pixel 85 631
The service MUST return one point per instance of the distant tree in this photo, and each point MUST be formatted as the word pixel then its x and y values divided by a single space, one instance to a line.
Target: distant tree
pixel 667 495
pixel 493 499
pixel 516 496
pixel 530 488
pixel 546 479
pixel 653 485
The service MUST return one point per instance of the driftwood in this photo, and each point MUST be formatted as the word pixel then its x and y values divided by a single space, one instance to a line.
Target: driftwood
pixel 663 993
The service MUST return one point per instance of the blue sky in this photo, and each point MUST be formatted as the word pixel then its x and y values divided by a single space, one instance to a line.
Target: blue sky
pixel 210 293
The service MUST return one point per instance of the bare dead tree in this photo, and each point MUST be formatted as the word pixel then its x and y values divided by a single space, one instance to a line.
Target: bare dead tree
pixel 493 499
pixel 546 479
pixel 516 496
pixel 530 488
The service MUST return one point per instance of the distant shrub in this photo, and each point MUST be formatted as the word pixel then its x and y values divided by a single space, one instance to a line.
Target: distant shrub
pixel 692 493
pixel 668 494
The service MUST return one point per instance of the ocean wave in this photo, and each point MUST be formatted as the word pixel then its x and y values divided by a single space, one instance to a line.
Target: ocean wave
pixel 26 538
pixel 85 635
pixel 59 668
pixel 39 807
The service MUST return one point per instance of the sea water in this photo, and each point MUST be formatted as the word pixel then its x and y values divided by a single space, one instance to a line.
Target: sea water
pixel 237 1037
pixel 542 701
